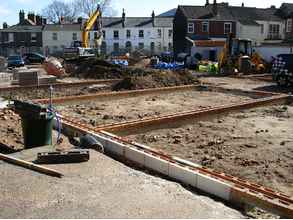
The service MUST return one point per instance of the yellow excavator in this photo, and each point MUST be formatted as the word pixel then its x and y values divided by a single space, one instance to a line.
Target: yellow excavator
pixel 238 56
pixel 81 49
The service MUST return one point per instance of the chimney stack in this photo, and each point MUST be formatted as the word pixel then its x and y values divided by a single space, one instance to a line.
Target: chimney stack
pixel 44 21
pixel 207 3
pixel 79 20
pixel 123 18
pixel 31 16
pixel 153 18
pixel 215 7
pixel 5 25
pixel 21 16
pixel 39 20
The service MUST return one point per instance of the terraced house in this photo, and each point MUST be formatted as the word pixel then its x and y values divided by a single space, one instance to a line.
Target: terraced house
pixel 122 34
pixel 208 26
pixel 26 36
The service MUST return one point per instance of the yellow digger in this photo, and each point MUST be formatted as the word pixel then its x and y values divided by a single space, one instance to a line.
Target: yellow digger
pixel 81 49
pixel 238 56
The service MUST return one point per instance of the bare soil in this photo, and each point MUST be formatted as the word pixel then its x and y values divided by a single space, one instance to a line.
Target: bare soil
pixel 256 145
pixel 101 112
pixel 44 93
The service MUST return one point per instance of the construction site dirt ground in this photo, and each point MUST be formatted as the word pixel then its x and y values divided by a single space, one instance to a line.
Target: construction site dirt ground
pixel 99 188
pixel 114 110
pixel 254 144
pixel 44 93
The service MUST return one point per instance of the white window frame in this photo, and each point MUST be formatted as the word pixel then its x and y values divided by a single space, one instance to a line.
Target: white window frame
pixel 190 28
pixel 289 24
pixel 207 25
pixel 33 37
pixel 10 37
pixel 128 34
pixel 116 31
pixel 227 23
pixel 159 31
pixel 139 33
pixel 74 36
pixel 170 33
pixel 53 36
pixel 262 28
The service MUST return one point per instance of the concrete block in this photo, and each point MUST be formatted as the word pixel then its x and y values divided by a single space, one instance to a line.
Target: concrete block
pixel 157 164
pixel 213 186
pixel 114 147
pixel 183 175
pixel 135 155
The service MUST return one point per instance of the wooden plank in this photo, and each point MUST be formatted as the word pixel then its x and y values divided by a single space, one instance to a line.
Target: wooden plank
pixel 29 165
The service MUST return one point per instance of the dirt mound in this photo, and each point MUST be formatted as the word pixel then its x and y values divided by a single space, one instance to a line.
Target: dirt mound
pixel 94 69
pixel 153 79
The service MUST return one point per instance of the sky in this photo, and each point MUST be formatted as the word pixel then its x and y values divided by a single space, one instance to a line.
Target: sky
pixel 9 8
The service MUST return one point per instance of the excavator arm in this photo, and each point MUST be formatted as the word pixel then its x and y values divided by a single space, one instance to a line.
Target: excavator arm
pixel 88 26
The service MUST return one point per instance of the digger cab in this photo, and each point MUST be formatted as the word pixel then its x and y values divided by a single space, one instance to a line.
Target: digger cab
pixel 242 47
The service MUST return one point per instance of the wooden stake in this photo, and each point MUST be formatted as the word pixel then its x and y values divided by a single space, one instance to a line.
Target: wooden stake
pixel 30 165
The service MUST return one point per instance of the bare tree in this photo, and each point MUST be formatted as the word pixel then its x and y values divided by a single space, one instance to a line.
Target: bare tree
pixel 58 9
pixel 87 7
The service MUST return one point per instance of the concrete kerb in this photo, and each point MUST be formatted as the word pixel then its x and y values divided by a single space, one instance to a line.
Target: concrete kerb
pixel 169 168
pixel 199 177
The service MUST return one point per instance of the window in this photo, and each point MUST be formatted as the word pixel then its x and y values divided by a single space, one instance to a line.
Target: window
pixel 205 26
pixel 152 47
pixel 190 28
pixel 159 46
pixel 74 36
pixel 274 30
pixel 170 46
pixel 116 47
pixel 104 48
pixel 128 33
pixel 159 33
pixel 104 34
pixel 10 37
pixel 89 36
pixel 141 33
pixel 289 25
pixel 261 28
pixel 116 34
pixel 128 46
pixel 55 36
pixel 33 37
pixel 227 28
pixel 170 33
pixel 141 46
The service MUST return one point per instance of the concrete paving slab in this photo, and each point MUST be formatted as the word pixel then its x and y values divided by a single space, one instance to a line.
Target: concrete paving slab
pixel 100 188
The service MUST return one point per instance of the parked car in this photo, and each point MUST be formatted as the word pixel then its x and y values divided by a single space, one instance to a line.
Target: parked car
pixel 15 61
pixel 30 58
pixel 282 69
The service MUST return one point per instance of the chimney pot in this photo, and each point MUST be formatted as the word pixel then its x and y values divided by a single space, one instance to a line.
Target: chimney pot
pixel 153 18
pixel 123 18
pixel 207 3
pixel 242 4
pixel 5 25
pixel 21 16
pixel 215 7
